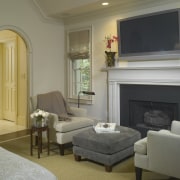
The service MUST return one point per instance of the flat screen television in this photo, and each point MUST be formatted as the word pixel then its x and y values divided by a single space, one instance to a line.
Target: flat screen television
pixel 151 36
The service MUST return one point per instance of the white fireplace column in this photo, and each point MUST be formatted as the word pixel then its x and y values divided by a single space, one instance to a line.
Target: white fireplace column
pixel 136 75
pixel 114 102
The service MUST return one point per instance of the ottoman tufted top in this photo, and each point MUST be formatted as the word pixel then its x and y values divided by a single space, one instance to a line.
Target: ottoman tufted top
pixel 107 143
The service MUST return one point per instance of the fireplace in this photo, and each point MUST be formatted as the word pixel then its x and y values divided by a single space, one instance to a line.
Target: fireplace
pixel 149 107
pixel 154 91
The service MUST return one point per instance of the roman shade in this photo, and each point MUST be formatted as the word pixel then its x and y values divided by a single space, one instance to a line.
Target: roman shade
pixel 79 42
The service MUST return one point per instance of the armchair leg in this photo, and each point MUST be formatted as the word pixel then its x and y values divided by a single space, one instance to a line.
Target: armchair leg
pixel 36 140
pixel 61 149
pixel 138 173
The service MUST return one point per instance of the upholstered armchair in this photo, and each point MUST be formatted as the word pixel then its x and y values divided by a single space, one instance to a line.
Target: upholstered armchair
pixel 159 152
pixel 61 132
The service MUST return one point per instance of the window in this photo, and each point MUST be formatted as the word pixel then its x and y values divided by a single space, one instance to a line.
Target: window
pixel 79 64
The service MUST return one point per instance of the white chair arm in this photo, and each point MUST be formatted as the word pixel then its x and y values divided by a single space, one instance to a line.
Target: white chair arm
pixel 140 146
pixel 163 152
pixel 175 127
pixel 52 120
pixel 165 131
pixel 79 112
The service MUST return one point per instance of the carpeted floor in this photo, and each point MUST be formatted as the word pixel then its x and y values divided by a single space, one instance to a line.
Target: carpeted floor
pixel 66 168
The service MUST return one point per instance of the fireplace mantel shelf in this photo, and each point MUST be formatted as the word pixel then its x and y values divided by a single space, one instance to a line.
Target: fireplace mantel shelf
pixel 140 68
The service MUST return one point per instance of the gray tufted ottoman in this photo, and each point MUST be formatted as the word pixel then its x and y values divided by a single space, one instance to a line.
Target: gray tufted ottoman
pixel 105 148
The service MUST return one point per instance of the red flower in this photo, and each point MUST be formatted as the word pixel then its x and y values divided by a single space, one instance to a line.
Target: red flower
pixel 109 40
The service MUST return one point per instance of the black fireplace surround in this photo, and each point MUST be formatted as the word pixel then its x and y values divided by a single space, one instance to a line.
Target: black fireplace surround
pixel 149 107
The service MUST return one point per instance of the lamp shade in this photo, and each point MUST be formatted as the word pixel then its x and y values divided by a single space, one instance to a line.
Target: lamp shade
pixel 84 92
pixel 88 92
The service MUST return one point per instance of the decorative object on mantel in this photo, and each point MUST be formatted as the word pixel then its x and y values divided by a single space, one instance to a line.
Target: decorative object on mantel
pixel 110 58
pixel 110 55
pixel 39 118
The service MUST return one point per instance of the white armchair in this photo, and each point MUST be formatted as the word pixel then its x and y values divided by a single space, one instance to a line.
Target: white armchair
pixel 159 152
pixel 61 132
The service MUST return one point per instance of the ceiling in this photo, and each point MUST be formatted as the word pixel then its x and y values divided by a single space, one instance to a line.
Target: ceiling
pixel 63 9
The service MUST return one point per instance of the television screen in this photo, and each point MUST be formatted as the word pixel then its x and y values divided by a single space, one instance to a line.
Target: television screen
pixel 152 34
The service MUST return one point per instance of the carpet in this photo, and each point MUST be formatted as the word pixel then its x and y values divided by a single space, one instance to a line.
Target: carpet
pixel 66 168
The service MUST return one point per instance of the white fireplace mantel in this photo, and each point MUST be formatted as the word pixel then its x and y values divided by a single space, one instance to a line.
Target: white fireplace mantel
pixel 136 75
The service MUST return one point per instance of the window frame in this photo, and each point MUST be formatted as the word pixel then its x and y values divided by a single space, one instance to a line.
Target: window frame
pixel 85 99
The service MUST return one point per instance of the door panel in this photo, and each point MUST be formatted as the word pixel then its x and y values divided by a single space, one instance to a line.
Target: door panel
pixel 10 80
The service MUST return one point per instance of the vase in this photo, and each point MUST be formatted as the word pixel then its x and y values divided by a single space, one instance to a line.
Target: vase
pixel 37 123
pixel 110 58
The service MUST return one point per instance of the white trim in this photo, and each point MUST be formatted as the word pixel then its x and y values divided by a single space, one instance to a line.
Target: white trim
pixel 29 51
pixel 137 75
pixel 28 43
pixel 70 97
pixel 44 17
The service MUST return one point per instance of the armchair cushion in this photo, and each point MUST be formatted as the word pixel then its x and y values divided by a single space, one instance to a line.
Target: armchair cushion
pixel 80 112
pixel 163 152
pixel 164 131
pixel 74 124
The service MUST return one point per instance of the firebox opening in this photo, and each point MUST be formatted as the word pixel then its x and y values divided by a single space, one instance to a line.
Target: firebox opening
pixel 149 107
pixel 148 115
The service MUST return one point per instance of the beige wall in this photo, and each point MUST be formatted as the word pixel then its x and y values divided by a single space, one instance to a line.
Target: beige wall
pixel 46 47
pixel 45 43
pixel 105 25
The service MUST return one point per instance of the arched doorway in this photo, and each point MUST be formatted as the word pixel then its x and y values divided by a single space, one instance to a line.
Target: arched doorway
pixel 14 56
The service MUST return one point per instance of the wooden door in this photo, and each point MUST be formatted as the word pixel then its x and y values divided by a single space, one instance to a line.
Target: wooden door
pixel 10 80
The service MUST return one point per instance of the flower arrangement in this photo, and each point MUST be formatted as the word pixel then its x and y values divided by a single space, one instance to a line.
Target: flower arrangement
pixel 109 40
pixel 110 55
pixel 39 116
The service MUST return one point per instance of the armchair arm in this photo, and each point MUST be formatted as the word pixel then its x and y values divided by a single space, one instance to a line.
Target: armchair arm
pixel 79 112
pixel 52 121
pixel 163 152
pixel 141 146
pixel 175 127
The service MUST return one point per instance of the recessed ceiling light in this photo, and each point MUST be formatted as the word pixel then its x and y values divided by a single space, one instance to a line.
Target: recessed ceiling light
pixel 105 3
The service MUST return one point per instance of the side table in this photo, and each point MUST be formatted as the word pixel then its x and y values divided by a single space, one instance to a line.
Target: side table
pixel 39 131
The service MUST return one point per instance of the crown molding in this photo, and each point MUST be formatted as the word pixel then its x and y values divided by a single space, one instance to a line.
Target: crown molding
pixel 43 17
pixel 122 10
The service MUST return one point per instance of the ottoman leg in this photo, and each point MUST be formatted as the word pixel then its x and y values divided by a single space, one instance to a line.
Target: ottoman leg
pixel 77 158
pixel 108 168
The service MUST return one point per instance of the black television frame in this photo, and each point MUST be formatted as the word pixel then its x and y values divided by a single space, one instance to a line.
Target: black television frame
pixel 154 55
